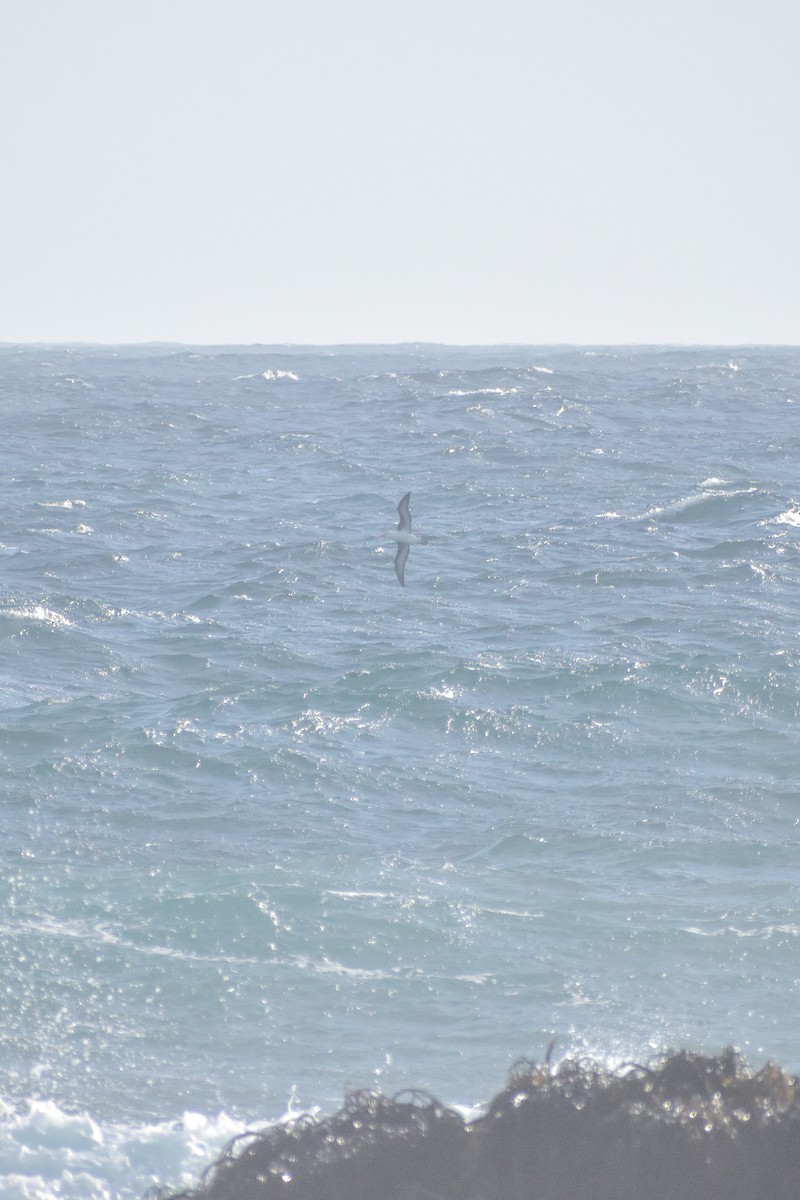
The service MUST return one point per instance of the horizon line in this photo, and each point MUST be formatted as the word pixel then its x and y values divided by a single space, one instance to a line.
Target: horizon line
pixel 406 343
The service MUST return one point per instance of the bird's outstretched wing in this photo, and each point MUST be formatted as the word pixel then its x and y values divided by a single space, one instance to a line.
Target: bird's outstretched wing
pixel 400 564
pixel 405 514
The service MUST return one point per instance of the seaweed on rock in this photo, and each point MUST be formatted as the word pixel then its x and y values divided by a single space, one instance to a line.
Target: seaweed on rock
pixel 691 1126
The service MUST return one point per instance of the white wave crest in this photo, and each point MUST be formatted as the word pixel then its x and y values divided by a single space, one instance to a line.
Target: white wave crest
pixel 765 932
pixel 46 1152
pixel 269 375
pixel 790 517
pixel 38 612
pixel 498 391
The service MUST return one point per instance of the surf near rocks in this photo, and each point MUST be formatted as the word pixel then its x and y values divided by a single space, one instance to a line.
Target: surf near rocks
pixel 687 1127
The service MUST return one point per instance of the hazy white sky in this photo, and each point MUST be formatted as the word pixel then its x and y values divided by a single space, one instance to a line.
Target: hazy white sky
pixel 393 170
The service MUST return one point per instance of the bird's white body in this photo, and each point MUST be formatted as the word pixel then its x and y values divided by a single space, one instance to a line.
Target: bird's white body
pixel 403 537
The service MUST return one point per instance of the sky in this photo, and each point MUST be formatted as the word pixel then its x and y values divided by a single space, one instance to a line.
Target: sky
pixel 462 171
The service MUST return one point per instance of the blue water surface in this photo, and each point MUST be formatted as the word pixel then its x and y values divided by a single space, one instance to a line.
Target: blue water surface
pixel 274 826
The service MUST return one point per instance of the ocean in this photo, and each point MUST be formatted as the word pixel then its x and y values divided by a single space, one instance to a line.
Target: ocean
pixel 275 827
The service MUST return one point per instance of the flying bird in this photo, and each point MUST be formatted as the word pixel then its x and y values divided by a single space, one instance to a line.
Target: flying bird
pixel 404 538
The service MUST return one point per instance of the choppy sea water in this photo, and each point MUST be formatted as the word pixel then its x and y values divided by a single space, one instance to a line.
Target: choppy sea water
pixel 274 826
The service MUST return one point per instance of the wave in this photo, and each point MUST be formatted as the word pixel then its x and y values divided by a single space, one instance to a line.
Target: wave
pixel 46 1151
pixel 269 375
pixel 790 517
pixel 765 932
pixel 710 501
pixel 496 391
pixel 39 614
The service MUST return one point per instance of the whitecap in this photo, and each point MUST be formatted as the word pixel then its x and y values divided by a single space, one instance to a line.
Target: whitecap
pixel 498 391
pixel 327 966
pixel 75 380
pixel 765 932
pixel 445 692
pixel 47 1152
pixel 270 375
pixel 790 517
pixel 38 612
pixel 358 895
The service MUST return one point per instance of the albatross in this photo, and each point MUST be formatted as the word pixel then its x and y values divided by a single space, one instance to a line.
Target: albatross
pixel 404 538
